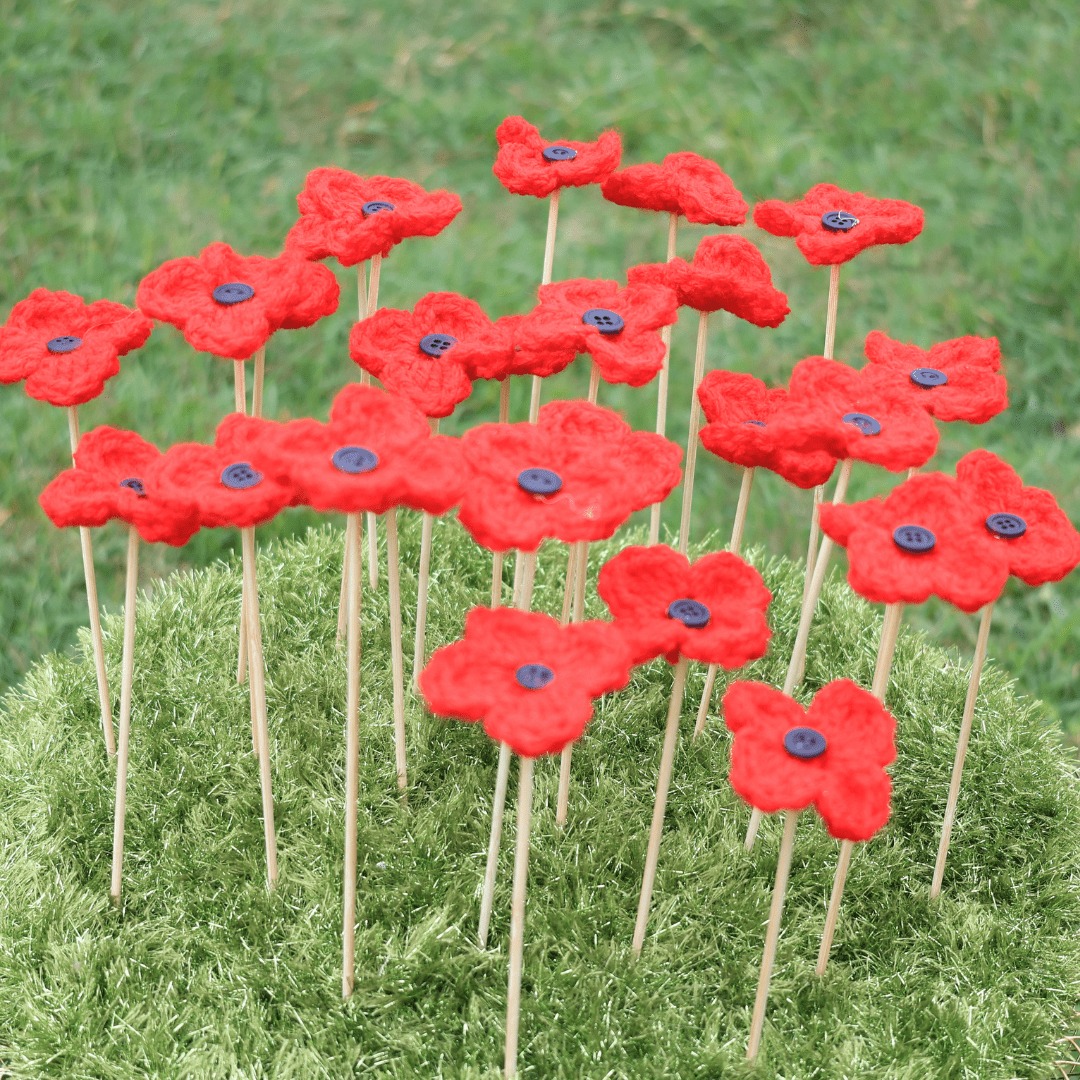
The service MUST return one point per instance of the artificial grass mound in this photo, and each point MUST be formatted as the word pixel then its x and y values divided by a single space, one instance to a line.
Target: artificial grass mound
pixel 202 973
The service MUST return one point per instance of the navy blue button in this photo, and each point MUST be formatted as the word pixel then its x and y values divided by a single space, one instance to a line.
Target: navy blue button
pixel 839 221
pixel 607 322
pixel 866 424
pixel 354 459
pixel 136 485
pixel 233 292
pixel 375 206
pixel 1008 526
pixel 914 539
pixel 539 481
pixel 756 423
pixel 805 743
pixel 534 676
pixel 63 344
pixel 240 476
pixel 559 153
pixel 690 613
pixel 928 377
pixel 436 344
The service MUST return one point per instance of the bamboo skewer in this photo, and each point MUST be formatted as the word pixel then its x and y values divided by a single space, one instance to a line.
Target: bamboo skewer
pixel 343 599
pixel 545 279
pixel 581 566
pixel 517 914
pixel 497 560
pixel 352 753
pixel 393 577
pixel 240 404
pixel 370 307
pixel 662 380
pixel 692 436
pixel 594 382
pixel 428 523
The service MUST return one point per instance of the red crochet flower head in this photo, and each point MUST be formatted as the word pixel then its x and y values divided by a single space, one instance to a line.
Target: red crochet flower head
pixel 64 348
pixel 924 538
pixel 577 474
pixel 110 480
pixel 1032 531
pixel 727 273
pixel 685 184
pixel 740 410
pixel 831 225
pixel 713 610
pixel 833 754
pixel 530 680
pixel 529 165
pixel 229 305
pixel 355 217
pixel 955 380
pixel 519 345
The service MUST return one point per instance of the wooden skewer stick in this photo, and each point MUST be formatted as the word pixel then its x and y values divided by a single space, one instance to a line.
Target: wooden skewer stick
pixel 517 914
pixel 812 546
pixel 257 385
pixel 662 380
pixel 497 561
pixel 240 403
pixel 393 576
pixel 594 382
pixel 343 598
pixel 830 316
pixel 961 748
pixel 371 307
pixel 581 567
pixel 428 524
pixel 352 754
pixel 571 578
pixel 545 279
pixel 692 436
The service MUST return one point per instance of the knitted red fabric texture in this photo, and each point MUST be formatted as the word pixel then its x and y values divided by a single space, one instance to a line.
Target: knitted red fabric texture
pixel 822 392
pixel 975 392
pixel 966 566
pixel 640 584
pixel 881 221
pixel 109 481
pixel 518 345
pixel 740 410
pixel 847 782
pixel 476 678
pixel 106 331
pixel 289 293
pixel 727 273
pixel 332 219
pixel 685 184
pixel 522 169
pixel 606 471
pixel 1050 548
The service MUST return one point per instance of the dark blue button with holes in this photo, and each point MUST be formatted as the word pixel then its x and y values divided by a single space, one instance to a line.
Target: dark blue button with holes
pixel 241 476
pixel 233 292
pixel 866 424
pixel 928 377
pixel 539 481
pixel 63 344
pixel 839 221
pixel 436 344
pixel 805 743
pixel 914 539
pixel 1007 526
pixel 136 485
pixel 376 206
pixel 559 153
pixel 756 423
pixel 690 613
pixel 534 676
pixel 354 459
pixel 607 322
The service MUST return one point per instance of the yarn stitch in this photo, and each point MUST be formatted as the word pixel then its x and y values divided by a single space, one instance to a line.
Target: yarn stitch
pixel 522 169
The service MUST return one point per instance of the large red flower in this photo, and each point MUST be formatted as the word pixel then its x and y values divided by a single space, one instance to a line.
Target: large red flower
pixel 530 680
pixel 685 184
pixel 355 217
pixel 109 480
pixel 727 272
pixel 577 474
pixel 925 537
pixel 831 225
pixel 713 610
pixel 64 348
pixel 530 165
pixel 229 304
pixel 518 345
pixel 833 754
pixel 740 411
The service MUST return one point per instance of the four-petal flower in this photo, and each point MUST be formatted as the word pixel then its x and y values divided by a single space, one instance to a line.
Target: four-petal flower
pixel 528 164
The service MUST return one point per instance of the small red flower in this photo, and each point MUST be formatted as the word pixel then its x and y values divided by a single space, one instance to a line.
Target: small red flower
pixel 713 610
pixel 727 272
pixel 741 410
pixel 64 348
pixel 229 305
pixel 925 537
pixel 831 225
pixel 685 184
pixel 833 754
pixel 355 217
pixel 955 380
pixel 529 165
pixel 577 474
pixel 531 681
pixel 518 345
pixel 109 481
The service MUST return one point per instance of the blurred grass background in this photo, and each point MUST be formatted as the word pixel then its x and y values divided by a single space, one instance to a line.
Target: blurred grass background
pixel 135 133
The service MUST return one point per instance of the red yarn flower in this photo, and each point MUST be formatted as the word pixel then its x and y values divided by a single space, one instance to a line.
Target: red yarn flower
pixel 954 380
pixel 355 217
pixel 229 304
pixel 577 474
pixel 518 345
pixel 713 610
pixel 685 184
pixel 727 272
pixel 530 680
pixel 740 410
pixel 925 537
pixel 109 480
pixel 831 225
pixel 64 348
pixel 529 165
pixel 833 754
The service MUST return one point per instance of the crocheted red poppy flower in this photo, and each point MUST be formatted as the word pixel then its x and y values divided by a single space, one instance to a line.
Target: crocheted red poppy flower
pixel 925 537
pixel 518 345
pixel 355 217
pixel 831 225
pixel 530 165
pixel 833 754
pixel 109 480
pixel 1034 533
pixel 954 380
pixel 229 304
pixel 530 680
pixel 685 184
pixel 727 273
pixel 713 610
pixel 577 474
pixel 64 348
pixel 740 410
